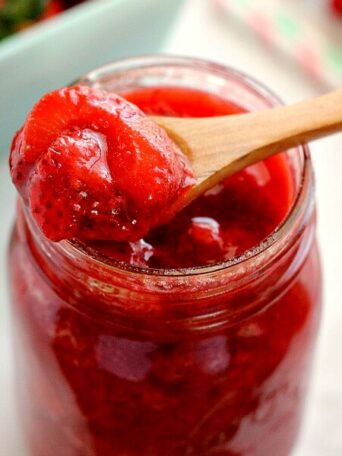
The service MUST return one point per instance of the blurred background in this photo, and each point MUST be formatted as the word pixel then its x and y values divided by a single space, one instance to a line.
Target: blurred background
pixel 292 46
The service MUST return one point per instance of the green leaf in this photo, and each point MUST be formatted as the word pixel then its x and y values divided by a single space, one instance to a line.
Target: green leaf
pixel 5 29
pixel 17 11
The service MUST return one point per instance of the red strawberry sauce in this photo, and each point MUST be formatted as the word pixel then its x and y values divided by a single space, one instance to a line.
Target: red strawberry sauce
pixel 112 361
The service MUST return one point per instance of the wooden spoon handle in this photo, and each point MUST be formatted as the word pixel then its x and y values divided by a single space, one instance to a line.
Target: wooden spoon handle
pixel 237 141
pixel 287 126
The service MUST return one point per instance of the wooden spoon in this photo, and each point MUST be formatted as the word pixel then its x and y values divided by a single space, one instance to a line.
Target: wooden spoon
pixel 220 146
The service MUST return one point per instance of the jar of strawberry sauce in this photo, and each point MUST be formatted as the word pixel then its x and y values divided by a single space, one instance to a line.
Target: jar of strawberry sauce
pixel 197 340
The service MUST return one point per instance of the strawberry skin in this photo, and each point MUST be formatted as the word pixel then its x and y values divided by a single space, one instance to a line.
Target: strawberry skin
pixel 91 165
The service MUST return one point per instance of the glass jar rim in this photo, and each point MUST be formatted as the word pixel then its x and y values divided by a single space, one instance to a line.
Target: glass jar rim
pixel 303 192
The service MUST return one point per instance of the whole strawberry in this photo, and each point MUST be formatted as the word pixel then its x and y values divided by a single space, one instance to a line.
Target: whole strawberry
pixel 90 165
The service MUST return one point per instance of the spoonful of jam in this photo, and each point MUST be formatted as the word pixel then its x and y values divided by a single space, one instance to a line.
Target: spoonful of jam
pixel 90 165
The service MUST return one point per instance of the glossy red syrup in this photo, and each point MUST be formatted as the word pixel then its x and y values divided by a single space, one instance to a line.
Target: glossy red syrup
pixel 228 219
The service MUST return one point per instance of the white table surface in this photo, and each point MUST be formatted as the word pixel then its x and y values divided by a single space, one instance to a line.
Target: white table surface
pixel 203 33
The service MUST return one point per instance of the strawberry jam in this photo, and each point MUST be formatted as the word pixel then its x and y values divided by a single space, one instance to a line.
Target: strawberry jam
pixel 194 340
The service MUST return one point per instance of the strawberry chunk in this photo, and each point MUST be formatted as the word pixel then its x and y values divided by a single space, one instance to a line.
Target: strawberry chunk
pixel 91 165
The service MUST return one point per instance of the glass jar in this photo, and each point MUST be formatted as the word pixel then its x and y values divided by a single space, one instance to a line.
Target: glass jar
pixel 125 361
